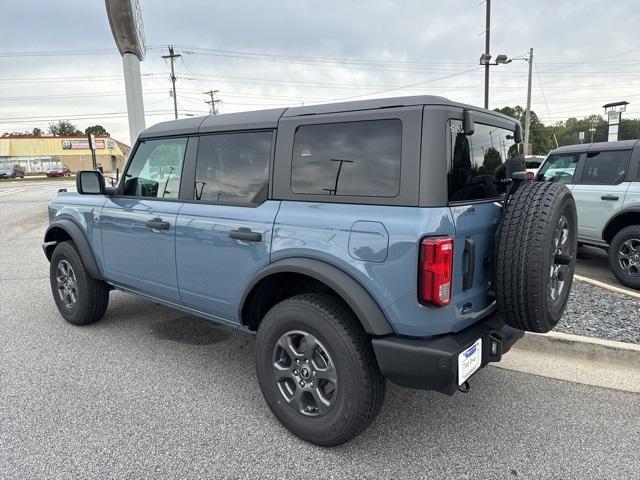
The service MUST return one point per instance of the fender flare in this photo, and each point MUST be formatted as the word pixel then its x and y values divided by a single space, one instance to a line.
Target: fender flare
pixel 80 240
pixel 624 211
pixel 366 309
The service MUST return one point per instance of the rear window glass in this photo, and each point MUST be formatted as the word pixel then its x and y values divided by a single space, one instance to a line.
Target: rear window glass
pixel 348 158
pixel 476 161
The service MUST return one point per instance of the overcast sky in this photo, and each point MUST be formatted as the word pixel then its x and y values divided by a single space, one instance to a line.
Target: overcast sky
pixel 266 54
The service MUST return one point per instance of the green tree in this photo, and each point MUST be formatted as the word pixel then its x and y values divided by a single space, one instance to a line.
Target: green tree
pixel 540 139
pixel 36 132
pixel 63 128
pixel 97 130
pixel 629 129
pixel 492 160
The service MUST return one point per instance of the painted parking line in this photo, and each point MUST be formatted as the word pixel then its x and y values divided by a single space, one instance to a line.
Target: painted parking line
pixel 607 286
pixel 12 191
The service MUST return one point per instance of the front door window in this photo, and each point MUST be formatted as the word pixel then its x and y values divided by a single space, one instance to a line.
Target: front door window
pixel 156 169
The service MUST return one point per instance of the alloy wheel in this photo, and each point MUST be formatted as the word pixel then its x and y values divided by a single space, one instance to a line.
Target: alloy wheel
pixel 67 284
pixel 561 259
pixel 305 373
pixel 629 257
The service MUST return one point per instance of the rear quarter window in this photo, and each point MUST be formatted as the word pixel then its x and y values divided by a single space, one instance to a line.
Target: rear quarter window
pixel 348 158
pixel 475 165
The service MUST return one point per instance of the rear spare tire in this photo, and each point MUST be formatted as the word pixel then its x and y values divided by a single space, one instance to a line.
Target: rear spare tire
pixel 535 256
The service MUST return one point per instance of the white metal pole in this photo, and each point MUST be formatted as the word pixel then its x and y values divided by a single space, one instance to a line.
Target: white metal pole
pixel 133 90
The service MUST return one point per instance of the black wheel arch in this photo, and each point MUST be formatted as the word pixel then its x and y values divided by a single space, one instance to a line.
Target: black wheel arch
pixel 625 218
pixel 363 305
pixel 66 229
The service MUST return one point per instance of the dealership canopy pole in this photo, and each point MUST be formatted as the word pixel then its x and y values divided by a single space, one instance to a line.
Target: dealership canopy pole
pixel 133 90
pixel 125 18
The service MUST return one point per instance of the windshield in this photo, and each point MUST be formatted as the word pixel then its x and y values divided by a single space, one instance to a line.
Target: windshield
pixel 6 167
pixel 532 164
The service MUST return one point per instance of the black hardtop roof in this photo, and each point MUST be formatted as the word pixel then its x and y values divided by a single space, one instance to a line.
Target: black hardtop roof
pixel 265 119
pixel 587 147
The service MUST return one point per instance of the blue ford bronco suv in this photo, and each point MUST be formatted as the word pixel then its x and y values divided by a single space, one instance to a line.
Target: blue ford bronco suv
pixel 393 239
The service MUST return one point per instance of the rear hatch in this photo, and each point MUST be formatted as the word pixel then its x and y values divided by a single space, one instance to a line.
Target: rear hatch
pixel 477 181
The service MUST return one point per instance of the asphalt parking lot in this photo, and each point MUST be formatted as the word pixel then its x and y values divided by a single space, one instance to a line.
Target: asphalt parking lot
pixel 151 393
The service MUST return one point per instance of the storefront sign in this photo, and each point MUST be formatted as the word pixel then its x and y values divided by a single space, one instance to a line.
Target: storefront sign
pixel 81 144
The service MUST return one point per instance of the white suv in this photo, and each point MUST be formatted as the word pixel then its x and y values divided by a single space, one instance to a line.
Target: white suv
pixel 605 181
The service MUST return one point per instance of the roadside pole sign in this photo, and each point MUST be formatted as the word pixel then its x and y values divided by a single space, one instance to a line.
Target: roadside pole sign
pixel 125 19
pixel 92 141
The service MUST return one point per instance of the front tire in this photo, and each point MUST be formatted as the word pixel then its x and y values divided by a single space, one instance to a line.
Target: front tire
pixel 624 256
pixel 81 299
pixel 317 370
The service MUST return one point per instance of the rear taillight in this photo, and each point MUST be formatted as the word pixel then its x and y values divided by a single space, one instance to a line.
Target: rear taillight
pixel 436 263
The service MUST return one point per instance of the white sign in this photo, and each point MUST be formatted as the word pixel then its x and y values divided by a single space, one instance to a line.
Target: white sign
pixel 581 135
pixel 614 117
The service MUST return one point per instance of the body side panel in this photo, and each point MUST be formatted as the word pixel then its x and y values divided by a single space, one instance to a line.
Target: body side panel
pixel 321 231
pixel 214 269
pixel 82 210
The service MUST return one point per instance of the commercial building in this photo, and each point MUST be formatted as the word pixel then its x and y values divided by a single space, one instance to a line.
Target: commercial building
pixel 37 154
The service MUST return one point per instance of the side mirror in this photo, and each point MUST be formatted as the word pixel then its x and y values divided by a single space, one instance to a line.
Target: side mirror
pixel 468 124
pixel 90 182
pixel 517 133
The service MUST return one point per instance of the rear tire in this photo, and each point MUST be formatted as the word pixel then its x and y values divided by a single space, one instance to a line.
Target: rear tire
pixel 624 256
pixel 535 256
pixel 81 299
pixel 336 390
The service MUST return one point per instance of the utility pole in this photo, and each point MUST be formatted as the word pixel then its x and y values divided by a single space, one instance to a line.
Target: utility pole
pixel 527 120
pixel 487 46
pixel 172 57
pixel 213 102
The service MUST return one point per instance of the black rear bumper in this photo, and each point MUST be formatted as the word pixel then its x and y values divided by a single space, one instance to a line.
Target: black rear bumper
pixel 432 364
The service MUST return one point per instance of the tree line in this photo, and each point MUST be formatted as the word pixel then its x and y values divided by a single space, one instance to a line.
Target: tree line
pixel 61 128
pixel 547 137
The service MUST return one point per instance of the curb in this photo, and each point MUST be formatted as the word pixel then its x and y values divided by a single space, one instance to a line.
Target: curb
pixel 608 286
pixel 577 359
pixel 591 349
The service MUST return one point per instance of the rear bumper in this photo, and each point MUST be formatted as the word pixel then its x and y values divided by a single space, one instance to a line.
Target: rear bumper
pixel 432 364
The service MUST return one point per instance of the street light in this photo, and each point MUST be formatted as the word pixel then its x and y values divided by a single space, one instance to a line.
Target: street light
pixel 485 59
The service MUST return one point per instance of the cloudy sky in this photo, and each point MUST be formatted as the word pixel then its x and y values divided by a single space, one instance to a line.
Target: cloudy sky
pixel 58 59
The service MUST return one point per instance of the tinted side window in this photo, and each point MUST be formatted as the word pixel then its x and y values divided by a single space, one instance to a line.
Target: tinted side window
pixel 233 167
pixel 605 168
pixel 476 161
pixel 559 167
pixel 156 168
pixel 350 158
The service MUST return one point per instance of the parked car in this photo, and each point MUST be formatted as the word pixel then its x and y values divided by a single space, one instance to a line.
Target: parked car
pixel 532 163
pixel 356 240
pixel 59 171
pixel 11 171
pixel 605 181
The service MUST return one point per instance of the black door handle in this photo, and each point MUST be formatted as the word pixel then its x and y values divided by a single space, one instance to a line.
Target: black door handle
pixel 470 253
pixel 246 235
pixel 157 224
pixel 610 197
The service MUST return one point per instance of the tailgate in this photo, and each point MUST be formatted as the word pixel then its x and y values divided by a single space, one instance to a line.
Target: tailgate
pixel 474 242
